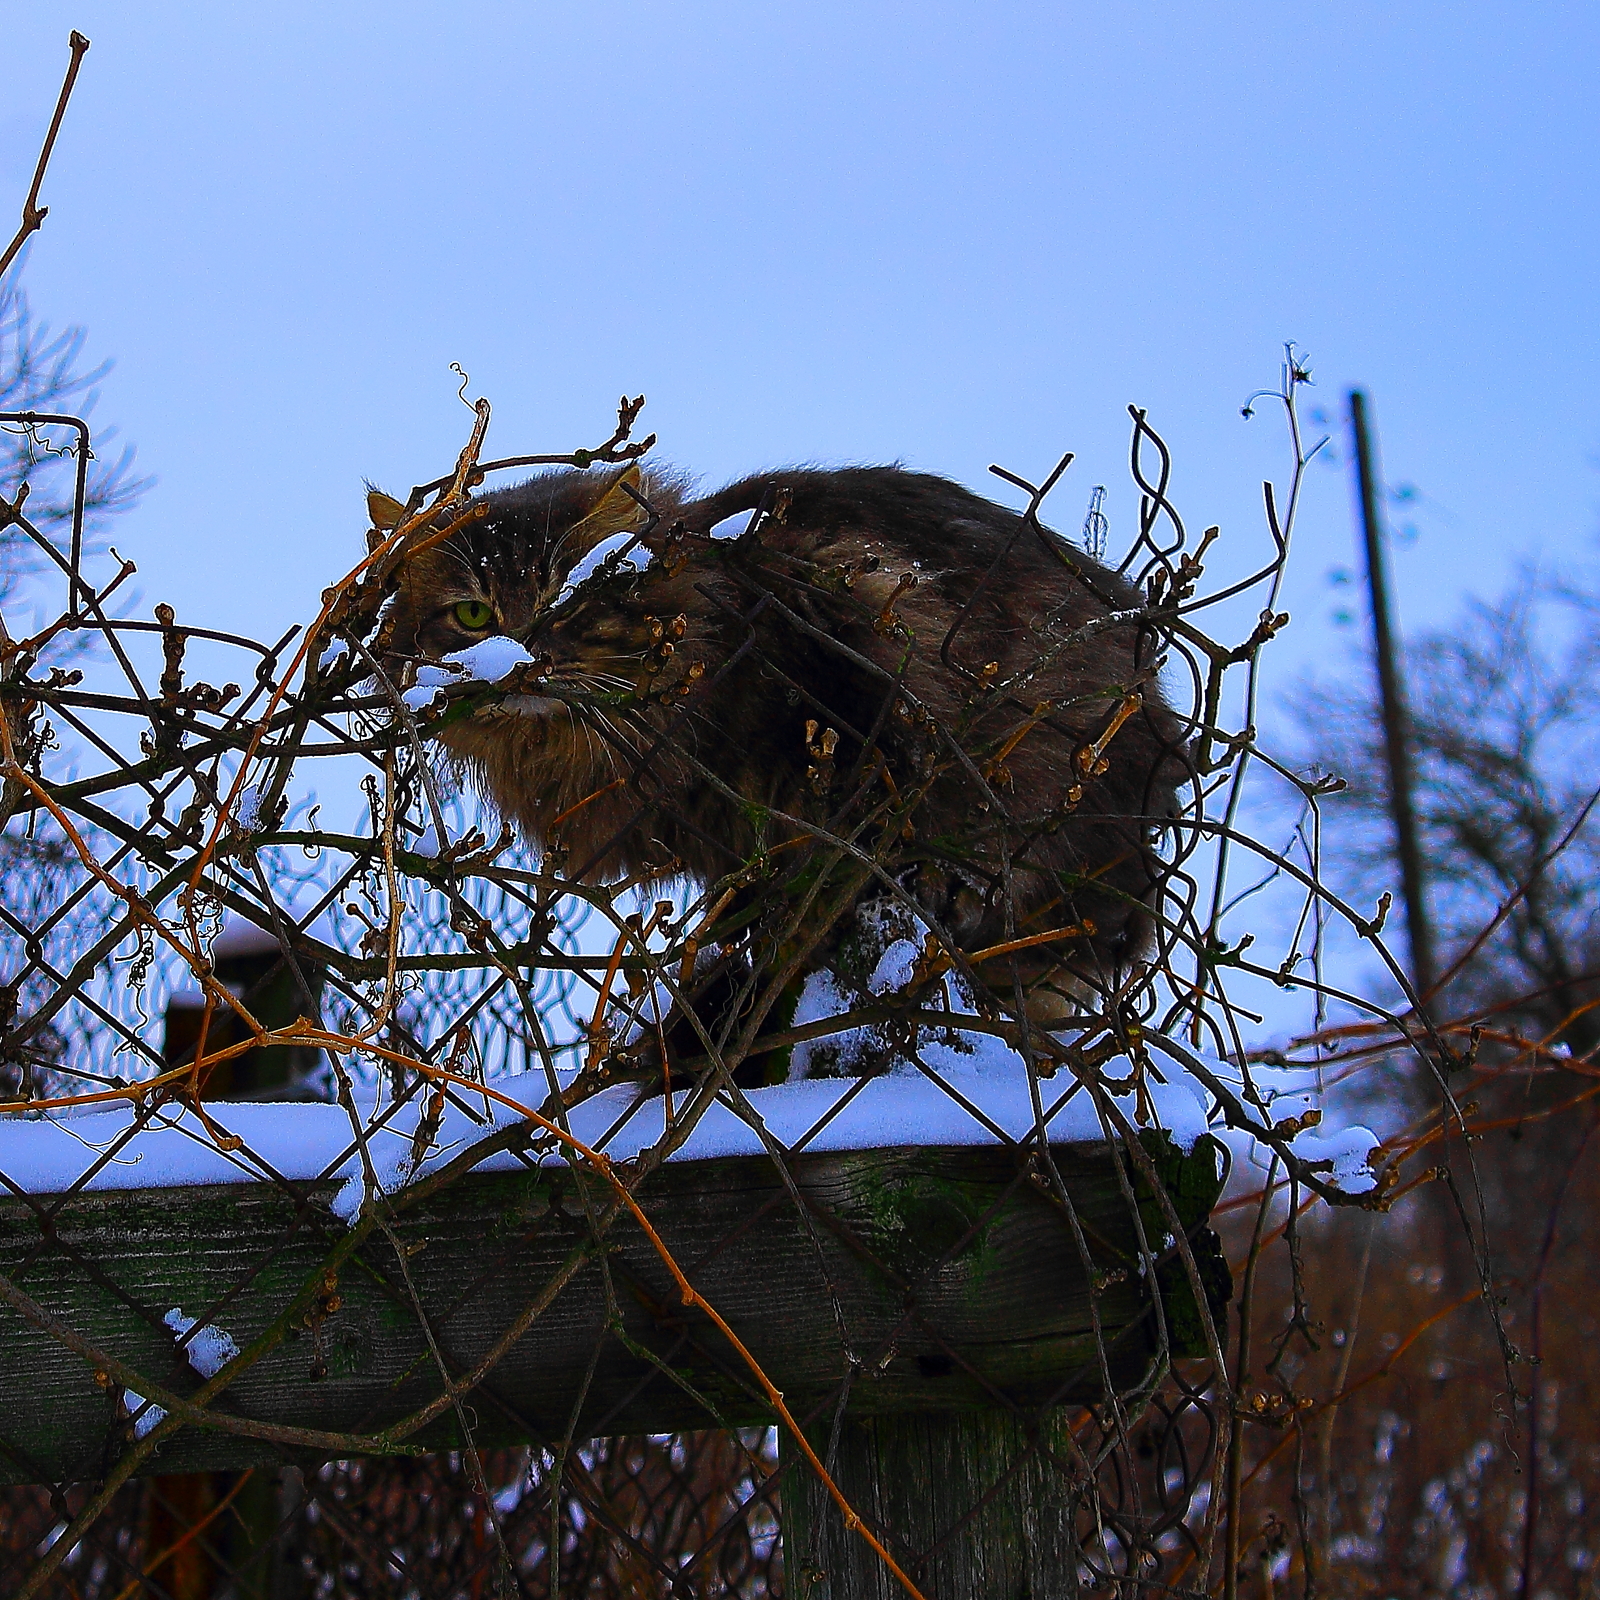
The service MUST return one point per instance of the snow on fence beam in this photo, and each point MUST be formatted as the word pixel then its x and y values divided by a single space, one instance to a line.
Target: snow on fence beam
pixel 954 1273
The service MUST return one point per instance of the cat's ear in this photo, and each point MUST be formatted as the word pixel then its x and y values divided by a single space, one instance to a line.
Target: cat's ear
pixel 385 512
pixel 616 511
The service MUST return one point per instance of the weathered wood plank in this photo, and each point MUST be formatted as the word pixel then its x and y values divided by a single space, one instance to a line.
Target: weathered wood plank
pixel 954 1274
pixel 965 1502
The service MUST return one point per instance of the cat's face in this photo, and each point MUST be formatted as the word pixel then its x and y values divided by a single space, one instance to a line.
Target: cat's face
pixel 509 568
pixel 514 569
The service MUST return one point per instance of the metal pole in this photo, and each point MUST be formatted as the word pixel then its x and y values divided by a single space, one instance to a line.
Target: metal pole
pixel 1391 692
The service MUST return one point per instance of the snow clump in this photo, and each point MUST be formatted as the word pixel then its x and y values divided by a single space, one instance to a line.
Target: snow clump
pixel 210 1350
pixel 490 660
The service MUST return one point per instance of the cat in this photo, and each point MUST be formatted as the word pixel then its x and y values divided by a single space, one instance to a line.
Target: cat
pixel 876 652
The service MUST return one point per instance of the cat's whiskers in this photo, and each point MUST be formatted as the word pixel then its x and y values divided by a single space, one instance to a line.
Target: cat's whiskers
pixel 602 753
pixel 589 717
pixel 621 733
pixel 457 549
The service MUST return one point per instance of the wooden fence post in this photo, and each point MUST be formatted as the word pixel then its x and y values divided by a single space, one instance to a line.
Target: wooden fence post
pixel 963 1500
pixel 207 1533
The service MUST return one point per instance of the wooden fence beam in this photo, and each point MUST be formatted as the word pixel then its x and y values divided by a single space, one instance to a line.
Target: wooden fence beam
pixel 952 1272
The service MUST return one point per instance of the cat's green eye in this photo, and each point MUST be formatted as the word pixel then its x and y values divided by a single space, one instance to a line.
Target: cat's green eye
pixel 474 615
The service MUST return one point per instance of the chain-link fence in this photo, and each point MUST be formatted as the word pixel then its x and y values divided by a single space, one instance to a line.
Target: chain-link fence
pixel 473 1149
pixel 772 1147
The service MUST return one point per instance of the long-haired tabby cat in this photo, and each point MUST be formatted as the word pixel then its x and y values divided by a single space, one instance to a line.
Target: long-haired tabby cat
pixel 885 656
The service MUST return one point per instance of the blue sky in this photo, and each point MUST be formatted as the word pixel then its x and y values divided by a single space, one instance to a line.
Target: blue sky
pixel 946 234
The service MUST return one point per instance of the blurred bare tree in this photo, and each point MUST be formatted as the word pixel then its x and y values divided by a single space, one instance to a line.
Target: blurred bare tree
pixel 46 372
pixel 1505 716
pixel 1492 1496
pixel 42 373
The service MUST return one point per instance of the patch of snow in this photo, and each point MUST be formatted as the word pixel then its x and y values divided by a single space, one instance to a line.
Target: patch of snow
pixel 1348 1151
pixel 392 1165
pixel 596 558
pixel 819 999
pixel 1345 1152
pixel 247 812
pixel 423 695
pixel 980 1092
pixel 1285 1105
pixel 732 527
pixel 987 1096
pixel 346 1205
pixel 430 680
pixel 149 1420
pixel 426 843
pixel 210 1350
pixel 488 661
pixel 894 967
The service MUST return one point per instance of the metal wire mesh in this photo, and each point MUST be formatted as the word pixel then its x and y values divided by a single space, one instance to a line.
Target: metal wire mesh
pixel 393 1105
pixel 480 1259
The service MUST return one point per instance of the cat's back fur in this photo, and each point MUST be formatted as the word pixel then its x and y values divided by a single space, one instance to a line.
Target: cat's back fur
pixel 886 651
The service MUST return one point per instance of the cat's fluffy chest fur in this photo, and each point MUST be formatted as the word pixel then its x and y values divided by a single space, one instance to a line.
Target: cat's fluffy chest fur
pixel 832 673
